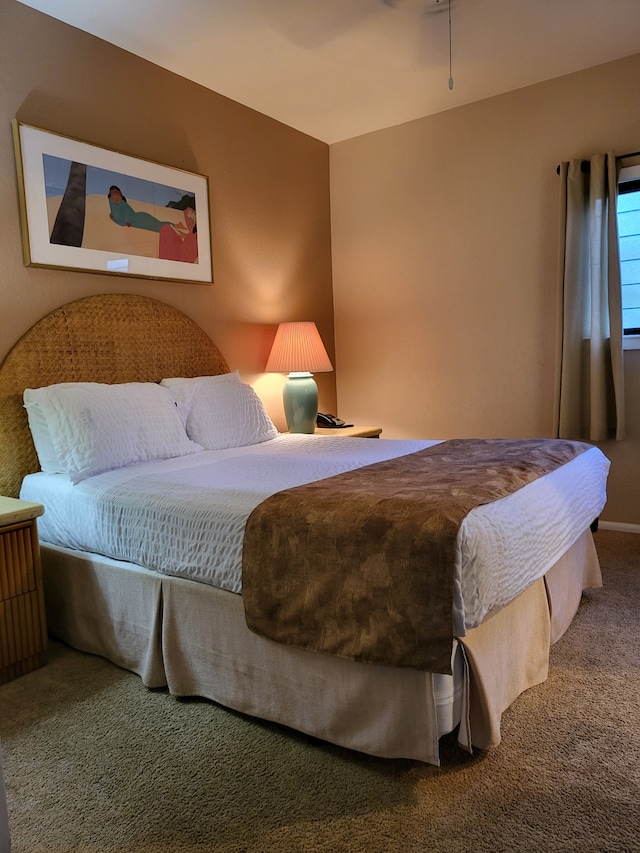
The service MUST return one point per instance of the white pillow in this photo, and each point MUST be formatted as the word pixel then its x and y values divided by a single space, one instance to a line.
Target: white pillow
pixel 182 389
pixel 47 455
pixel 83 428
pixel 221 411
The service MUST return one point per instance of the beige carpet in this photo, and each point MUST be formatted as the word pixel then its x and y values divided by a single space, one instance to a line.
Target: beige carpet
pixel 96 762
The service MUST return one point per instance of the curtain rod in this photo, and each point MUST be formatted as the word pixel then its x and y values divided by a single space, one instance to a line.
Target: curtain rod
pixel 585 163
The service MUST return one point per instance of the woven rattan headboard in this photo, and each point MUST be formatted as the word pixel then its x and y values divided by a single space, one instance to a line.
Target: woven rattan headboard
pixel 107 338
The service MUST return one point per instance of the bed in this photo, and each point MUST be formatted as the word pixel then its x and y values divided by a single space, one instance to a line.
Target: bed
pixel 139 605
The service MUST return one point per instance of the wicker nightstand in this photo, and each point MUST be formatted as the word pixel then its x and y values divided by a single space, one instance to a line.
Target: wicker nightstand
pixel 23 627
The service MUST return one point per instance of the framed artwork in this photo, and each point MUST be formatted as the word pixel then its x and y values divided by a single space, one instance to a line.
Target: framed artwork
pixel 93 209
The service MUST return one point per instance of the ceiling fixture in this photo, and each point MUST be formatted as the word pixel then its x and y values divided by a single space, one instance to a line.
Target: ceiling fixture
pixel 450 72
pixel 429 7
pixel 440 6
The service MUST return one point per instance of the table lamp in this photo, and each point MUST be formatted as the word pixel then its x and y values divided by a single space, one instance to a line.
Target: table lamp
pixel 298 350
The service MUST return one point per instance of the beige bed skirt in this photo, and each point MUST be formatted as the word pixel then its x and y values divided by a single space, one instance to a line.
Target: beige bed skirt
pixel 192 638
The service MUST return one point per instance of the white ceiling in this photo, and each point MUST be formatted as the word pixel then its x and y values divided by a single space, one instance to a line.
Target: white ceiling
pixel 340 68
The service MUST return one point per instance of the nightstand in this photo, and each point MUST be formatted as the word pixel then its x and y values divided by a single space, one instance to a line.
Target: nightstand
pixel 23 627
pixel 352 432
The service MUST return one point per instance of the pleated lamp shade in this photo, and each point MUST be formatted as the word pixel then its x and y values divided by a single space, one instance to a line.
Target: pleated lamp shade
pixel 298 351
pixel 298 347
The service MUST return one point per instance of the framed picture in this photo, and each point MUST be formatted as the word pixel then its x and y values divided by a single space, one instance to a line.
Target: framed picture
pixel 92 209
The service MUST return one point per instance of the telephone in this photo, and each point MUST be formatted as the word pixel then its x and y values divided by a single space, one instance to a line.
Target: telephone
pixel 330 422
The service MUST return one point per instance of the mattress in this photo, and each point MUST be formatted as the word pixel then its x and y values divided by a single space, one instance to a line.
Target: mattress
pixel 186 516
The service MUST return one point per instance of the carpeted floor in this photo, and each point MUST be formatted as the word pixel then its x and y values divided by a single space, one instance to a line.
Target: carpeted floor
pixel 96 762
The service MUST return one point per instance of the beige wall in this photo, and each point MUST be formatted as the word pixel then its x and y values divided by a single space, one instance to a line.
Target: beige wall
pixel 268 184
pixel 444 263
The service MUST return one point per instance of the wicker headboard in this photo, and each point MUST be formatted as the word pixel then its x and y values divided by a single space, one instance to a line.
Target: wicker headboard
pixel 107 338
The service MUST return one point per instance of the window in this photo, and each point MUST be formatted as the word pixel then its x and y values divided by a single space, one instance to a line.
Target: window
pixel 629 238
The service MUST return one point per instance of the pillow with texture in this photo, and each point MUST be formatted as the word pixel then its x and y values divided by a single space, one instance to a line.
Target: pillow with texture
pixel 84 428
pixel 182 389
pixel 221 411
pixel 47 456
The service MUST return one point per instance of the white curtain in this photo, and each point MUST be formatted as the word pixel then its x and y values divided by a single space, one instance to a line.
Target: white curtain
pixel 590 377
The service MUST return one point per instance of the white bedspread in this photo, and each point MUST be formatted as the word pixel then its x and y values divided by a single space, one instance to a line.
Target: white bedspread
pixel 186 516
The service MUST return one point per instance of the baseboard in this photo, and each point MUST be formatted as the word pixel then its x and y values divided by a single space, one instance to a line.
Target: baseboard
pixel 620 526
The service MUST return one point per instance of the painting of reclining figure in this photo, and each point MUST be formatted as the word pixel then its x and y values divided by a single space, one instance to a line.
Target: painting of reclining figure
pixel 120 220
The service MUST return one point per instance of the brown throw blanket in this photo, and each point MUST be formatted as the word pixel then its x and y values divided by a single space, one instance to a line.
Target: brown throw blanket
pixel 361 565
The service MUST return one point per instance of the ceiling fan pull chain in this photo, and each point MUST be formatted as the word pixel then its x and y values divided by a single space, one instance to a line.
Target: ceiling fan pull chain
pixel 450 74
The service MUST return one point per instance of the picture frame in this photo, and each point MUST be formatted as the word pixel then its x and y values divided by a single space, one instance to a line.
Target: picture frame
pixel 93 209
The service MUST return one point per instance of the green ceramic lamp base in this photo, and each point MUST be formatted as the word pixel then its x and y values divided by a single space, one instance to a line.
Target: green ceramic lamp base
pixel 300 398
